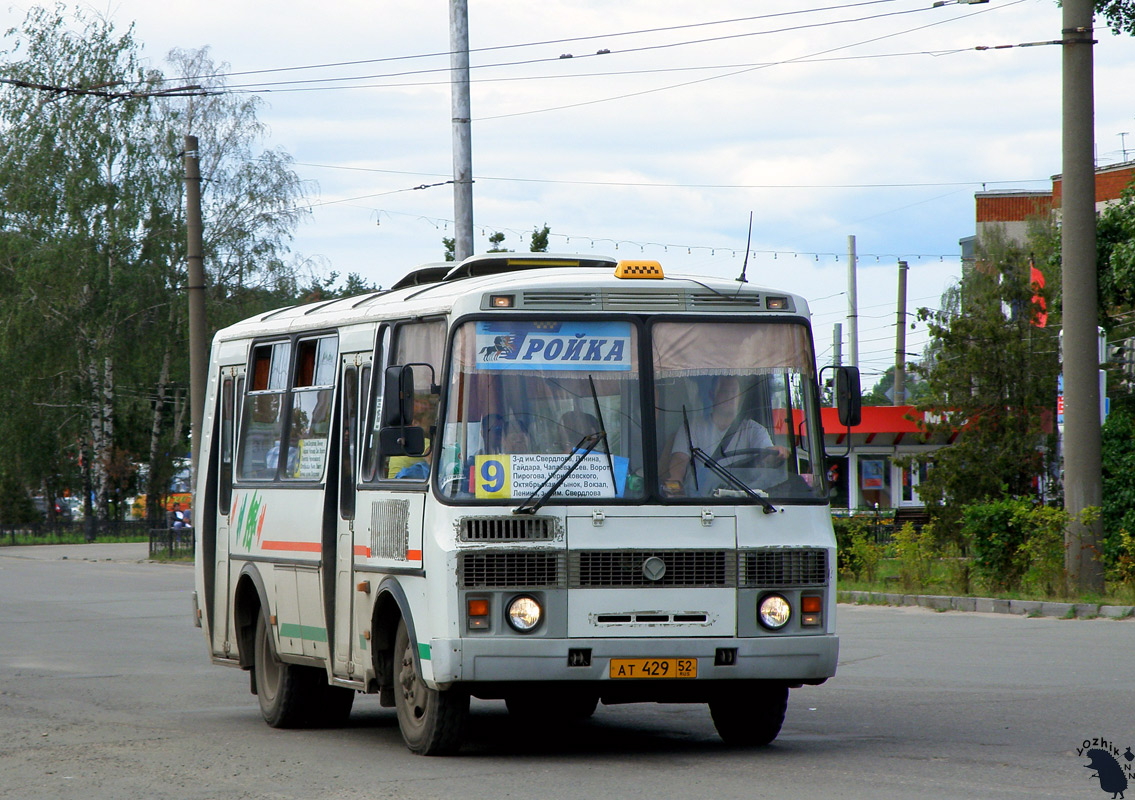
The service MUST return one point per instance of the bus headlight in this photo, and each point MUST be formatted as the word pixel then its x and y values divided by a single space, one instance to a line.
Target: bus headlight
pixel 773 612
pixel 524 613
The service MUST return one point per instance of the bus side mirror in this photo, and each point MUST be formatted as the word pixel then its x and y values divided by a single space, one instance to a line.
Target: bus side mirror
pixel 398 397
pixel 402 441
pixel 848 396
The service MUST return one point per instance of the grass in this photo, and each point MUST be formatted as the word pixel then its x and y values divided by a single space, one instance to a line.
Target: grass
pixel 25 538
pixel 943 581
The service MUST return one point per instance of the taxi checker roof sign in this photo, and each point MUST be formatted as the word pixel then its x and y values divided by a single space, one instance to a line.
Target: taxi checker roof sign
pixel 551 345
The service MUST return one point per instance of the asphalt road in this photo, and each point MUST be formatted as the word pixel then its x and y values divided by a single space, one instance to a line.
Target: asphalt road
pixel 106 692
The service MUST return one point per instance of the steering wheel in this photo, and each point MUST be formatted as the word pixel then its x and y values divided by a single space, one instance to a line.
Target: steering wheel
pixel 452 484
pixel 752 457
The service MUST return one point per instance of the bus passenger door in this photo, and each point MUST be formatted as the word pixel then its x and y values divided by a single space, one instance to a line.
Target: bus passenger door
pixel 227 405
pixel 348 657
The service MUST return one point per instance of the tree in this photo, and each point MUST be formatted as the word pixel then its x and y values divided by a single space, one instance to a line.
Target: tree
pixel 1120 15
pixel 496 240
pixel 77 183
pixel 92 247
pixel 991 371
pixel 538 243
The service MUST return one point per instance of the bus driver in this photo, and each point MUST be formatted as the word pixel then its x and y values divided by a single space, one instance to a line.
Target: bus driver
pixel 720 433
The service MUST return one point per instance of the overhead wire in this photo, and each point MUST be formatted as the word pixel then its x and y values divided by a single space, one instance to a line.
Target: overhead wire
pixel 741 71
pixel 565 40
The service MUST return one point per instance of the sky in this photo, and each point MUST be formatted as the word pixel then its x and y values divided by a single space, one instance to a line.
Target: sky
pixel 823 119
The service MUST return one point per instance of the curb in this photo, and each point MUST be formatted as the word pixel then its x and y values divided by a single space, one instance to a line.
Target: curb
pixel 1032 608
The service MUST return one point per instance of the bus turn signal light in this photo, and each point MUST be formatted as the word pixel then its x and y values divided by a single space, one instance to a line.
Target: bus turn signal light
pixel 811 608
pixel 478 608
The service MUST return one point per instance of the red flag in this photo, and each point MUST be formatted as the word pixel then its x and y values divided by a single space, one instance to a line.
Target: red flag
pixel 1040 312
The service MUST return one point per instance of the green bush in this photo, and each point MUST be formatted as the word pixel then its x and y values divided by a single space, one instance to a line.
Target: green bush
pixel 1044 550
pixel 996 536
pixel 1121 574
pixel 858 554
pixel 1018 545
pixel 1118 461
pixel 916 554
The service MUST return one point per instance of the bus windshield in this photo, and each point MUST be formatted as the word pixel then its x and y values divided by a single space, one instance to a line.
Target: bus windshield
pixel 732 403
pixel 729 415
pixel 525 401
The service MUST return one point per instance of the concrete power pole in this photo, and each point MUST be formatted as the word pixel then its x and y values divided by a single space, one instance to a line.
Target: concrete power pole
pixel 852 305
pixel 900 341
pixel 462 140
pixel 837 353
pixel 1083 483
pixel 198 333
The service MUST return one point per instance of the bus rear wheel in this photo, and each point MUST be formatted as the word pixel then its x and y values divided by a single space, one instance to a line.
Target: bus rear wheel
pixel 752 718
pixel 431 721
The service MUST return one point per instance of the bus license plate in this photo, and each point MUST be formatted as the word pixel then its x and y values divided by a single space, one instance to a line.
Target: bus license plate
pixel 654 668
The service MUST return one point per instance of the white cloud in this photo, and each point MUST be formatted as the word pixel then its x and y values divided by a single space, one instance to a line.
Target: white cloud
pixel 911 119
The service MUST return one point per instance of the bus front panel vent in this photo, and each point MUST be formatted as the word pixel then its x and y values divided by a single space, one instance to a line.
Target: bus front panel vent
pixel 508 529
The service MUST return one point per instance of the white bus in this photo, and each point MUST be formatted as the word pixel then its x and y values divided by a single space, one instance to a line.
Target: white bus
pixel 553 480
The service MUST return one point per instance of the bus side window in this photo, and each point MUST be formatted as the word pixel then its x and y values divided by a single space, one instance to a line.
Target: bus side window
pixel 418 343
pixel 262 421
pixel 227 430
pixel 313 392
pixel 349 434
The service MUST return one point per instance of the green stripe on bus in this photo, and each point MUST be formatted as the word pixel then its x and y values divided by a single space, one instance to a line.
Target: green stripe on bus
pixel 362 642
pixel 307 632
pixel 423 651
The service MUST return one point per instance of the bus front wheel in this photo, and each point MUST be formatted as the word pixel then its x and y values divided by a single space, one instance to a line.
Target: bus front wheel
pixel 750 719
pixel 431 721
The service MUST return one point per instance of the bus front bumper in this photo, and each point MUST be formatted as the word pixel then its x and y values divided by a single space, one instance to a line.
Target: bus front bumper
pixel 793 659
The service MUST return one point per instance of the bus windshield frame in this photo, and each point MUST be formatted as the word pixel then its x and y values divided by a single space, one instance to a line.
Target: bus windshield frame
pixel 525 393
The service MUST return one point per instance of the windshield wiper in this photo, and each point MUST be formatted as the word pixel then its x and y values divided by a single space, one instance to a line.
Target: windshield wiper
pixel 603 433
pixel 721 471
pixel 588 444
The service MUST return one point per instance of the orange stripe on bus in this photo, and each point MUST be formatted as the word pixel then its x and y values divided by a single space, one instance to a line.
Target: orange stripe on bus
pixel 303 547
pixel 413 555
pixel 362 550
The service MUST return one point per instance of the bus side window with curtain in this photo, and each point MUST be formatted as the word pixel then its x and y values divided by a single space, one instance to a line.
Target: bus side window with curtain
pixel 418 343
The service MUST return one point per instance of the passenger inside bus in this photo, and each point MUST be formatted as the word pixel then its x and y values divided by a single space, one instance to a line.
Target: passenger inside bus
pixel 416 467
pixel 574 426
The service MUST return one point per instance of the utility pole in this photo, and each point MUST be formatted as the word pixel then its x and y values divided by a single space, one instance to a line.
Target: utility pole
pixel 195 264
pixel 1123 143
pixel 900 341
pixel 1083 483
pixel 852 305
pixel 837 353
pixel 462 140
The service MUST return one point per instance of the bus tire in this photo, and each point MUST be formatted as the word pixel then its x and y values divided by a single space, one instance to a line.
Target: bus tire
pixel 431 721
pixel 282 689
pixel 751 719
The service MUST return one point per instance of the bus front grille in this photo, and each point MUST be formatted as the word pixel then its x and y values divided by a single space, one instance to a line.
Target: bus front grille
pixel 645 569
pixel 784 567
pixel 511 570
